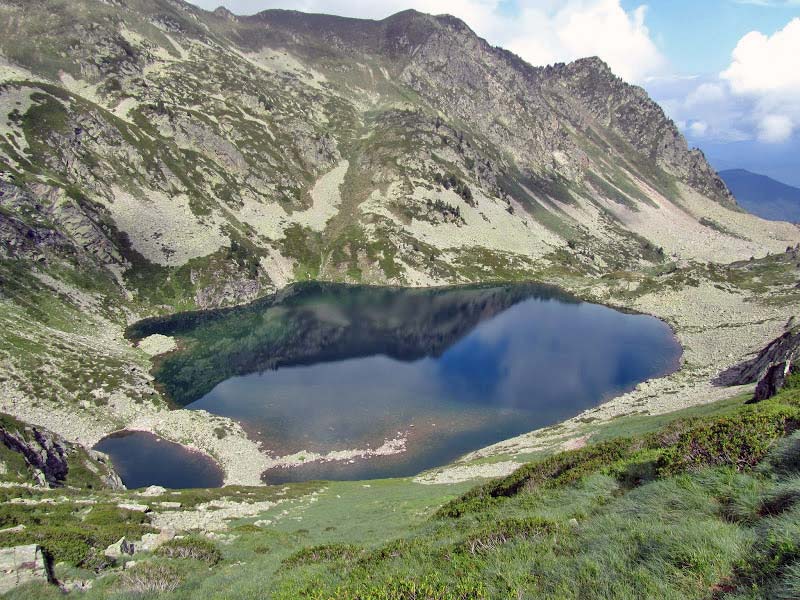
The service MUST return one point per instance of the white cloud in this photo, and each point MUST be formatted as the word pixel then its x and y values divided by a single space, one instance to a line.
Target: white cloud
pixel 765 65
pixel 705 94
pixel 698 128
pixel 766 70
pixel 775 128
pixel 586 28
pixel 540 31
pixel 756 97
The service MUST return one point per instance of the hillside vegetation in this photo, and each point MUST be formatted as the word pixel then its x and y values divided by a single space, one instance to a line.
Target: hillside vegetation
pixel 156 158
pixel 703 504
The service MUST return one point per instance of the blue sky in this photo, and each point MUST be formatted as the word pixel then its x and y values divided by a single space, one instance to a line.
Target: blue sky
pixel 727 71
pixel 698 35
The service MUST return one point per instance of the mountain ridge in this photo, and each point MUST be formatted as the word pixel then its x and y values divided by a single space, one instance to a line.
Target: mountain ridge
pixel 764 196
pixel 157 158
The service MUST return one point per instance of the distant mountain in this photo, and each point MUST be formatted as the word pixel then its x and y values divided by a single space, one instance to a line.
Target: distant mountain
pixel 763 196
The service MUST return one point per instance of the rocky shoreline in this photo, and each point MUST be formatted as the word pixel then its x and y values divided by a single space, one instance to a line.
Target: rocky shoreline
pixel 716 328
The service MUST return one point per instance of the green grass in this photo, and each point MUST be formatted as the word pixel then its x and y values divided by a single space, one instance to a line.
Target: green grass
pixel 660 507
pixel 71 532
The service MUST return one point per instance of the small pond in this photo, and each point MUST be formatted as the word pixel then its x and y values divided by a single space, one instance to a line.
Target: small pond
pixel 362 371
pixel 143 459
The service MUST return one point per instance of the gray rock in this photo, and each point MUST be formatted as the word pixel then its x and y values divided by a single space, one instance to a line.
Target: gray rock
pixel 120 548
pixel 135 507
pixel 773 380
pixel 153 490
pixel 782 350
pixel 152 541
pixel 24 564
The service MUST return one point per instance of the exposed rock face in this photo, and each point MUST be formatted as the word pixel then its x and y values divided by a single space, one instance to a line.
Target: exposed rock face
pixel 777 357
pixel 178 150
pixel 773 380
pixel 48 456
pixel 24 564
pixel 44 452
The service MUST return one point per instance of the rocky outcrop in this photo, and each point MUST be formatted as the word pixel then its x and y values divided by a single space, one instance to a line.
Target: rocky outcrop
pixel 770 368
pixel 782 353
pixel 44 452
pixel 49 457
pixel 24 564
pixel 530 109
pixel 49 221
pixel 773 380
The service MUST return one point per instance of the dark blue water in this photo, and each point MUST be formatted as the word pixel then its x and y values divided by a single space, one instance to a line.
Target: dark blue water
pixel 321 368
pixel 538 362
pixel 143 459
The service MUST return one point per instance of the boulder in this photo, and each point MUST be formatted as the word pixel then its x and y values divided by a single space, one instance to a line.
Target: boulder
pixel 783 349
pixel 135 507
pixel 120 548
pixel 153 490
pixel 773 380
pixel 152 541
pixel 15 529
pixel 24 564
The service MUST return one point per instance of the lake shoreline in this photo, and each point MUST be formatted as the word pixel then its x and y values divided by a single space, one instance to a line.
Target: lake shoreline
pixel 716 329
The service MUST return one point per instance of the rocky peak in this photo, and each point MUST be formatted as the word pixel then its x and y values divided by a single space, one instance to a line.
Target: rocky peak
pixel 224 13
pixel 592 65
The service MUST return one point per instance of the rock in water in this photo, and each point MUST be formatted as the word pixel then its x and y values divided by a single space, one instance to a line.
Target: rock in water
pixel 24 564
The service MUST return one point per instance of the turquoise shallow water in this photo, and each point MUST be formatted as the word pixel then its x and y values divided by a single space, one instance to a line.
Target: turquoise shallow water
pixel 330 368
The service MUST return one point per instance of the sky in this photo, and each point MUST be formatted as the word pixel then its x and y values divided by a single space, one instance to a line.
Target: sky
pixel 726 71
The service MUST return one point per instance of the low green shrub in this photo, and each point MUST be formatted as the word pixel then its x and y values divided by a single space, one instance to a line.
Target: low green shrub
pixel 429 587
pixel 247 528
pixel 398 587
pixel 323 553
pixel 192 546
pixel 150 577
pixel 109 515
pixel 497 534
pixel 67 532
pixel 559 469
pixel 740 441
pixel 396 549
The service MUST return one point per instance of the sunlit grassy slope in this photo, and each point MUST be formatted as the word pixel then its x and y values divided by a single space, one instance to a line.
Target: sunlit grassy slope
pixel 698 504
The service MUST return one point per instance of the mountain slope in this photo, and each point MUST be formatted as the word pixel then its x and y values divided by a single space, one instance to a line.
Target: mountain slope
pixel 156 158
pixel 763 196
pixel 244 152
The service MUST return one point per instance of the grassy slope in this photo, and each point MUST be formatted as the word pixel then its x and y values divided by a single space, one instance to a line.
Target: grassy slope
pixel 680 506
